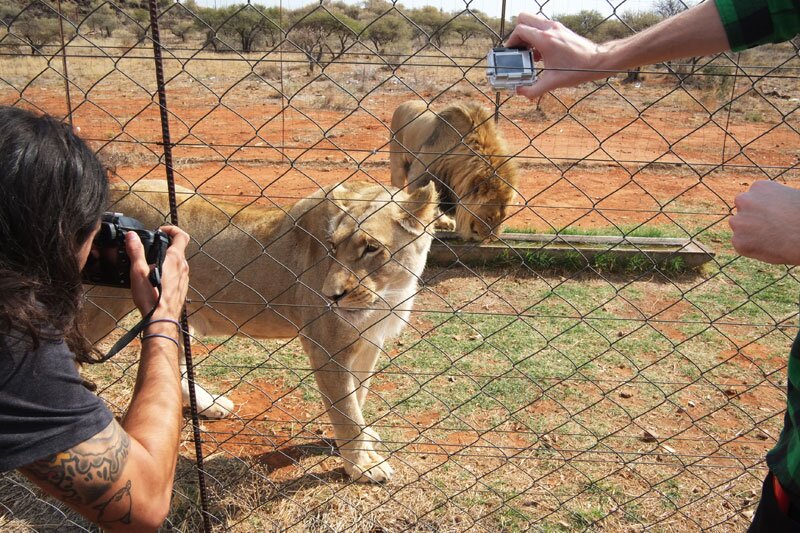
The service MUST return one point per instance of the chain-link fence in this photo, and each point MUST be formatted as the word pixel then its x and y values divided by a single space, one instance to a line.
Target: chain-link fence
pixel 607 363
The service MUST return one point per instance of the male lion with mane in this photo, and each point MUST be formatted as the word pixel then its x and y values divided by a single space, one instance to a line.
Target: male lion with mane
pixel 339 269
pixel 463 153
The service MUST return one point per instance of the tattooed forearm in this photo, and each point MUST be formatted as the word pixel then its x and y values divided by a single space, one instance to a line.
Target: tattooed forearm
pixel 85 472
pixel 120 512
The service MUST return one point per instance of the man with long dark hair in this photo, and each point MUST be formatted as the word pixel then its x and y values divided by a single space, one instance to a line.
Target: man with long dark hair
pixel 767 222
pixel 52 429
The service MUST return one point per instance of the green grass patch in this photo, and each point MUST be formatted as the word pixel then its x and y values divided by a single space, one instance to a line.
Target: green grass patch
pixel 614 231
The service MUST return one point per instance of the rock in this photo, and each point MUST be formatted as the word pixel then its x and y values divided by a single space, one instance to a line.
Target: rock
pixel 649 436
pixel 625 394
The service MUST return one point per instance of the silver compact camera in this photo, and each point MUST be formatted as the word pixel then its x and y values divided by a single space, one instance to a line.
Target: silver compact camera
pixel 509 68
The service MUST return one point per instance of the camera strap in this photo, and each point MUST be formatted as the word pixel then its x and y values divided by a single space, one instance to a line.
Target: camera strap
pixel 155 280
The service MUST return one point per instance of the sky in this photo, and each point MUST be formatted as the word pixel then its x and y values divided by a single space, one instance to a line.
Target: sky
pixel 491 7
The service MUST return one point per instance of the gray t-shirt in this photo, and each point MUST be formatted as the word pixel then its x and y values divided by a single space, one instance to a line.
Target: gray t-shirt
pixel 44 407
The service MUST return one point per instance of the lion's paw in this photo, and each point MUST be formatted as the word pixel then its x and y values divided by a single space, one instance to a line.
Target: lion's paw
pixel 445 223
pixel 222 407
pixel 208 405
pixel 375 470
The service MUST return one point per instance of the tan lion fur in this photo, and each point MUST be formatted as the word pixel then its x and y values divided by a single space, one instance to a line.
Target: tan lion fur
pixel 339 269
pixel 462 152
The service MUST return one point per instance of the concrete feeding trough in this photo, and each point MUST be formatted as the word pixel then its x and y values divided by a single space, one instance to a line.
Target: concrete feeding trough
pixel 447 249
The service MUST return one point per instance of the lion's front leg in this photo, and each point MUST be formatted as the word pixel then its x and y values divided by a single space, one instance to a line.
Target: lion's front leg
pixel 208 405
pixel 339 386
pixel 363 370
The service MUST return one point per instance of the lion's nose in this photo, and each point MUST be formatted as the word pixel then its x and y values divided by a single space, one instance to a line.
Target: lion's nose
pixel 335 297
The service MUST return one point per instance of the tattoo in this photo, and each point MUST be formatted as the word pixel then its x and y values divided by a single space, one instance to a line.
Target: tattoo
pixel 121 512
pixel 85 472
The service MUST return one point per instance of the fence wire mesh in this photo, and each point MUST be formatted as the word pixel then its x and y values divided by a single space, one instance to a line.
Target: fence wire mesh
pixel 589 377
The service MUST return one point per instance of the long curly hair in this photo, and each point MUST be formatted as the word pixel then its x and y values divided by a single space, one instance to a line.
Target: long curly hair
pixel 52 193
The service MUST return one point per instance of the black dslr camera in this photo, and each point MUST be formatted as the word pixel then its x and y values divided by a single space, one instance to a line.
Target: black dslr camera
pixel 108 262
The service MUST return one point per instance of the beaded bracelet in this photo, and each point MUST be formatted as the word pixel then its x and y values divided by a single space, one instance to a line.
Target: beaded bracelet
pixel 160 336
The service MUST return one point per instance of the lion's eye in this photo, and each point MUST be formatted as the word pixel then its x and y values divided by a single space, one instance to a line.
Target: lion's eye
pixel 370 249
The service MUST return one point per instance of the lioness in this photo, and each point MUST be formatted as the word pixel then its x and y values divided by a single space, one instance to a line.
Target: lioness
pixel 462 152
pixel 339 269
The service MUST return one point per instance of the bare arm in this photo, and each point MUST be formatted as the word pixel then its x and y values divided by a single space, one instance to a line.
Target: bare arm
pixel 570 59
pixel 122 477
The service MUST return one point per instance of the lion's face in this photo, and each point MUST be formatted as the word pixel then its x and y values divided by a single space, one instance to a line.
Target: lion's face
pixel 377 249
pixel 481 213
pixel 480 222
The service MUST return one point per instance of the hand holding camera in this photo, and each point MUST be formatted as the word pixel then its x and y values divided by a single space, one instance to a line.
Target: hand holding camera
pixel 568 58
pixel 122 253
pixel 109 264
pixel 174 274
pixel 509 68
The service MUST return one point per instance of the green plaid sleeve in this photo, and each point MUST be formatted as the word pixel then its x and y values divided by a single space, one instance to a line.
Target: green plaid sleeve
pixel 749 23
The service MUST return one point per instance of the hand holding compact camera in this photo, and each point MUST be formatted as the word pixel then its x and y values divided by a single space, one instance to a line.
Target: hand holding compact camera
pixel 509 68
pixel 108 263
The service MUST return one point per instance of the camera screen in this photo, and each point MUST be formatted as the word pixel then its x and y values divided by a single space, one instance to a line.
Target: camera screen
pixel 505 63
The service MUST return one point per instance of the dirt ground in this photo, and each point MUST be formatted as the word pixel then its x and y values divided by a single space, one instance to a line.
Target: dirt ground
pixel 632 155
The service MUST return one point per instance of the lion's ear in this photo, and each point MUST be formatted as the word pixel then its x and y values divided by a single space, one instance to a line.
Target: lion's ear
pixel 419 209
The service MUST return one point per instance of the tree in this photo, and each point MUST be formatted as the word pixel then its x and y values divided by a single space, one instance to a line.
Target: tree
pixel 35 24
pixel 38 32
pixel 345 30
pixel 431 24
pixel 668 8
pixel 246 25
pixel 8 13
pixel 467 27
pixel 387 29
pixel 338 6
pixel 180 19
pixel 181 28
pixel 374 8
pixel 311 31
pixel 141 23
pixel 585 23
pixel 104 19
